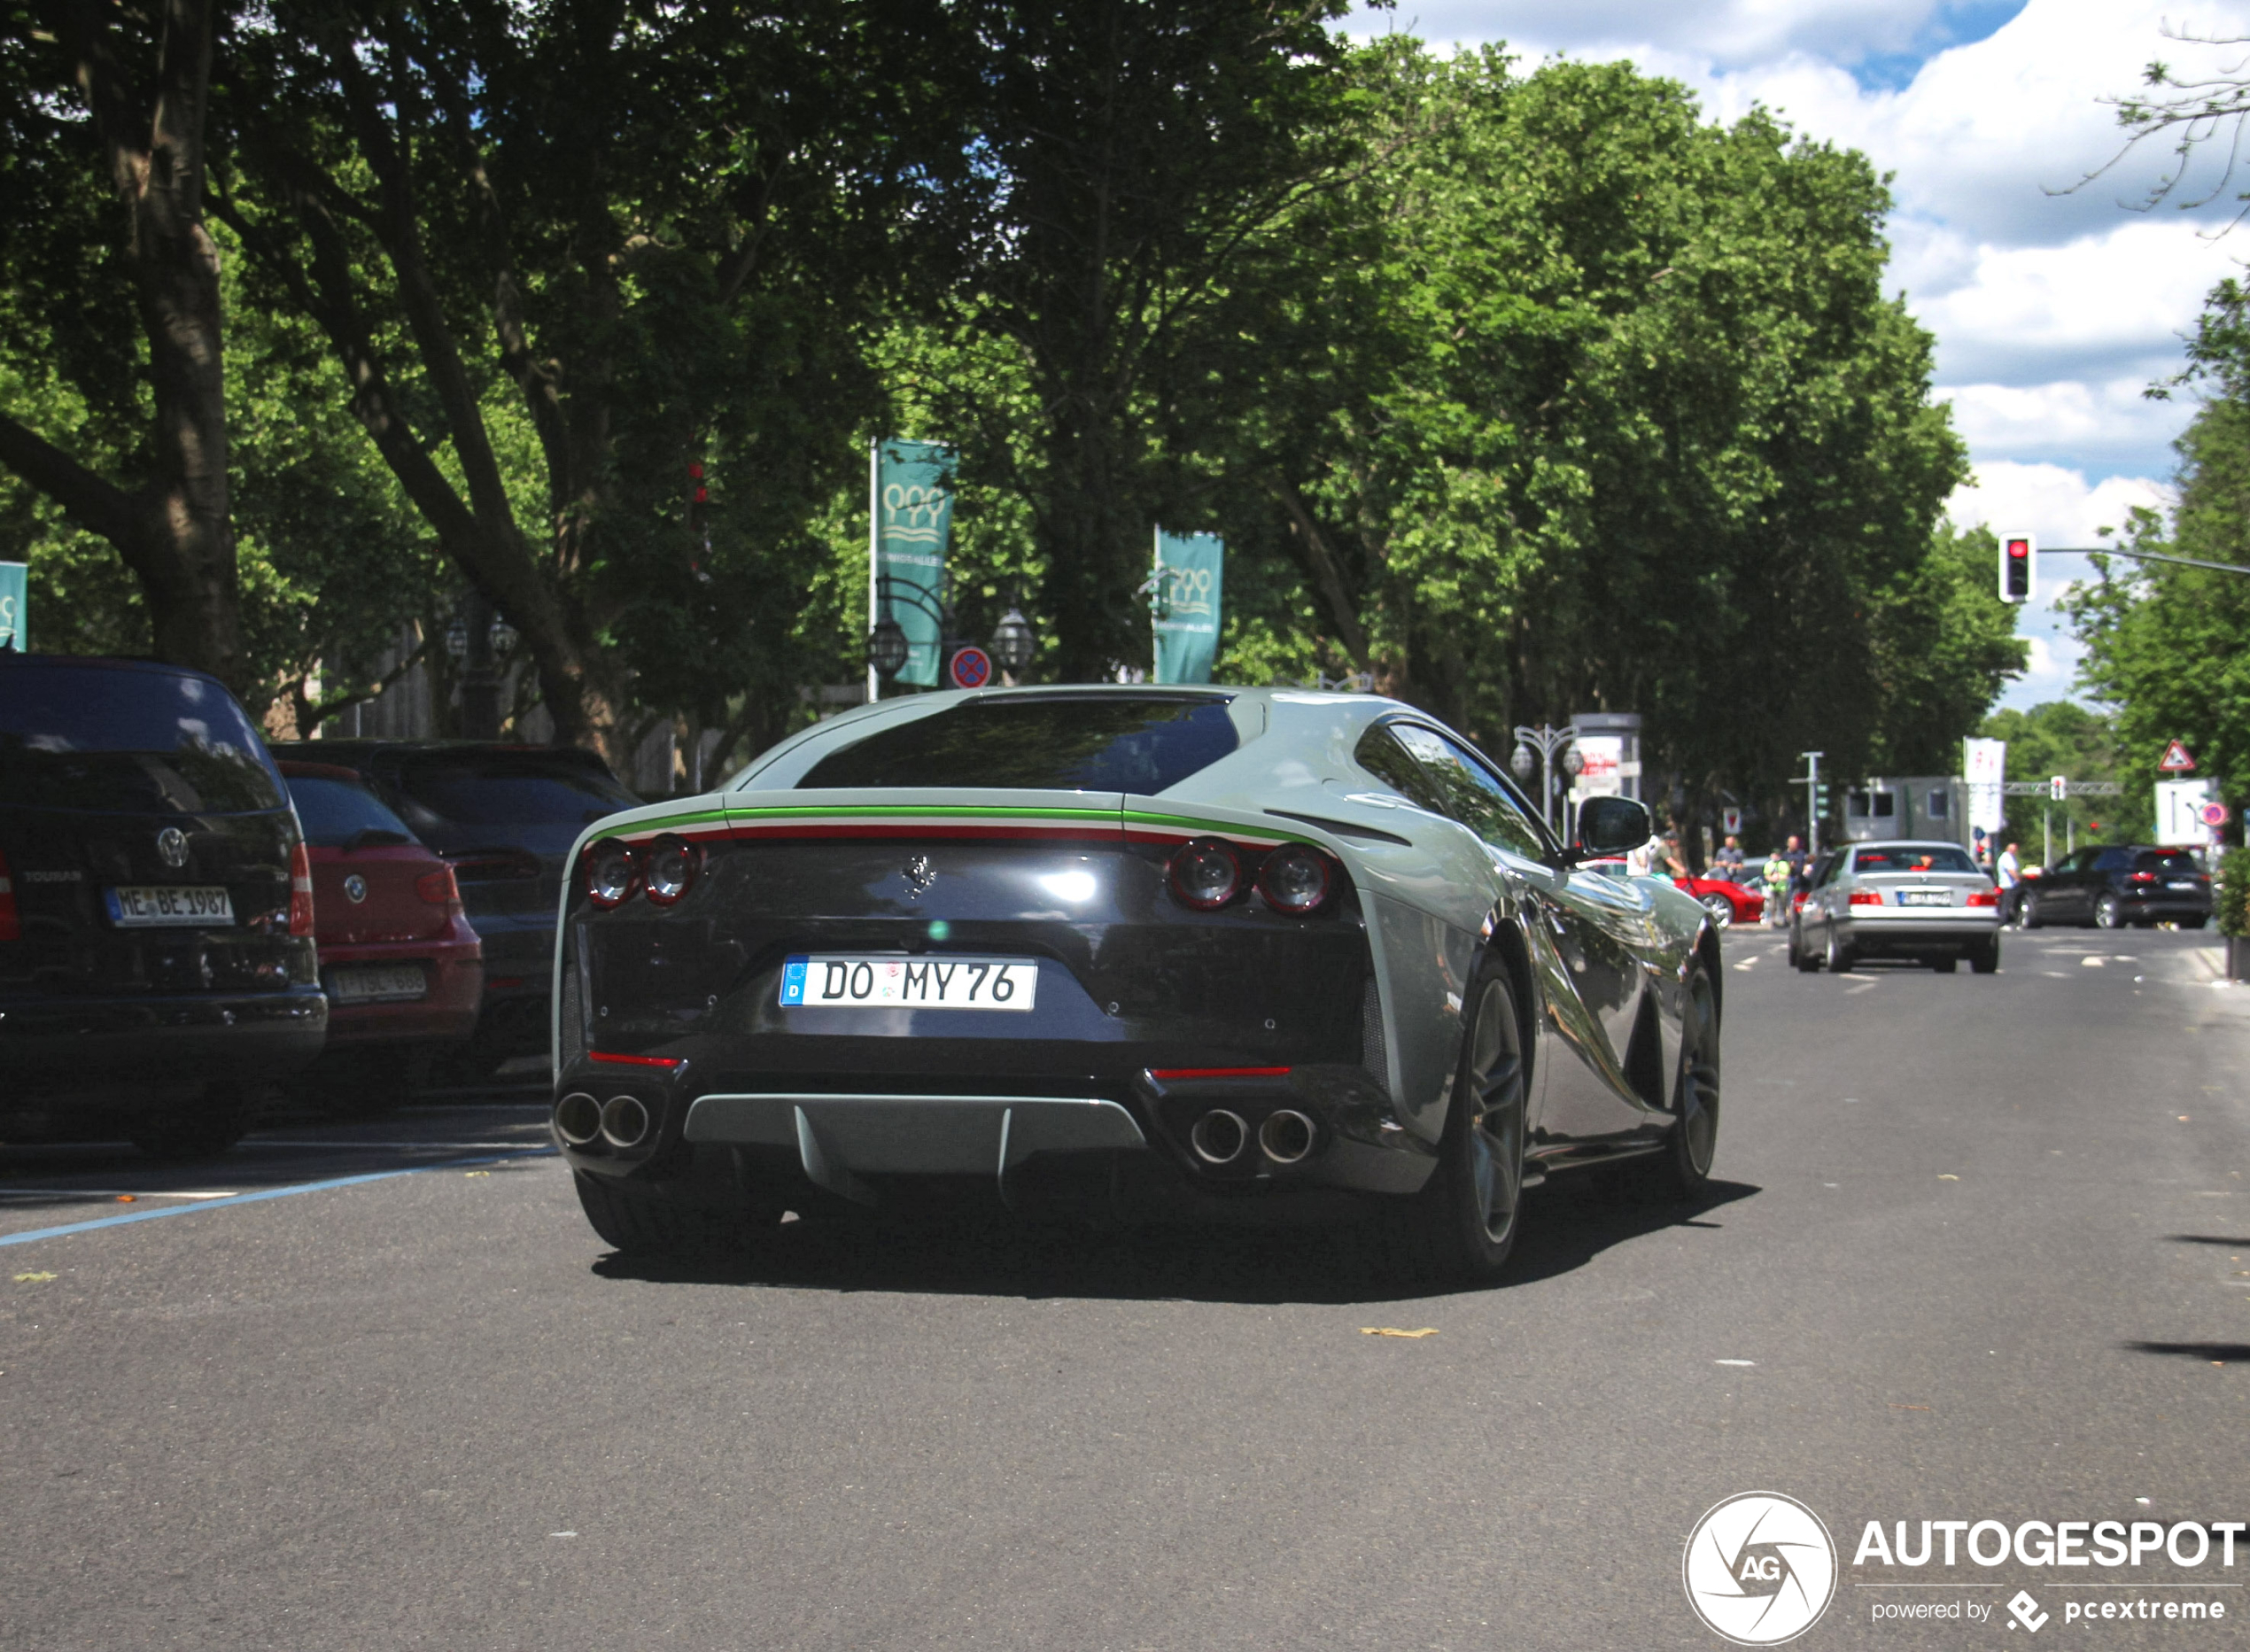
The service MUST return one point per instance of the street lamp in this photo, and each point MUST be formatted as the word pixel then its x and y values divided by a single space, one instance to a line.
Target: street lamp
pixel 1013 643
pixel 886 646
pixel 1547 740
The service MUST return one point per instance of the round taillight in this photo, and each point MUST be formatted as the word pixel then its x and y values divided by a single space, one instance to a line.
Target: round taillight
pixel 668 866
pixel 1204 874
pixel 612 873
pixel 1296 879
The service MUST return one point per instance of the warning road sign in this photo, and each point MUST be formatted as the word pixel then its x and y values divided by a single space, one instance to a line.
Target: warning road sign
pixel 2176 760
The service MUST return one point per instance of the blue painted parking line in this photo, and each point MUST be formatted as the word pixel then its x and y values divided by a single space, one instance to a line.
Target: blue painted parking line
pixel 202 1206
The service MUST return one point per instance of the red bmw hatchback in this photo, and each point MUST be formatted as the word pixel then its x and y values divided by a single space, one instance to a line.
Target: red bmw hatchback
pixel 402 967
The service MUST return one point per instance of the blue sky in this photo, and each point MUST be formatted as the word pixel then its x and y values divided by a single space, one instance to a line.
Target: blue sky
pixel 2052 312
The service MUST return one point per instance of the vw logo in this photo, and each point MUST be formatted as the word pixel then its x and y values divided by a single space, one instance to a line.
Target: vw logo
pixel 918 875
pixel 1759 1569
pixel 172 847
pixel 355 888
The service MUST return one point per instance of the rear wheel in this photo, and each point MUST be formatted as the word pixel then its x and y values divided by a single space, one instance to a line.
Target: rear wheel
pixel 1799 955
pixel 1721 911
pixel 1946 965
pixel 1985 959
pixel 1682 1168
pixel 204 1128
pixel 2194 923
pixel 2109 913
pixel 2033 919
pixel 1463 1225
pixel 640 1224
pixel 1839 958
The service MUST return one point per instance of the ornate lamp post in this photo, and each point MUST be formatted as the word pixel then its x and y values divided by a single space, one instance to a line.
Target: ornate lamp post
pixel 1013 644
pixel 1547 740
pixel 886 646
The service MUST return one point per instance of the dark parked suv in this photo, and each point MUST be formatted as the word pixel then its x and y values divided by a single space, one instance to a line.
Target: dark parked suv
pixel 157 966
pixel 504 816
pixel 2111 887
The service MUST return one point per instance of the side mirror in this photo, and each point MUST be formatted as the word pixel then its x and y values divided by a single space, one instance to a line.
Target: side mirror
pixel 1611 826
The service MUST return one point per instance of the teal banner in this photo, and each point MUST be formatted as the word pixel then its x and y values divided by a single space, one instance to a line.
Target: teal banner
pixel 15 588
pixel 1187 605
pixel 913 510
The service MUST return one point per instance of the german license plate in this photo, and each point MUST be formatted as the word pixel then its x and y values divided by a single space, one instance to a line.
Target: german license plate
pixel 154 906
pixel 377 984
pixel 834 981
pixel 2178 883
pixel 1924 897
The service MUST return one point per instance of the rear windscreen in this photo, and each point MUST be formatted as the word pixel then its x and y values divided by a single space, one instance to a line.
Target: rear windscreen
pixel 129 742
pixel 1942 857
pixel 510 788
pixel 2177 864
pixel 1109 743
pixel 335 813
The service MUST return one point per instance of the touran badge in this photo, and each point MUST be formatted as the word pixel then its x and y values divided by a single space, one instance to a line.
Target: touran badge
pixel 172 847
pixel 355 888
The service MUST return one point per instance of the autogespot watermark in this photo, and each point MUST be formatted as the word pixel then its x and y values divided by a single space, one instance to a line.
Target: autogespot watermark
pixel 1760 1569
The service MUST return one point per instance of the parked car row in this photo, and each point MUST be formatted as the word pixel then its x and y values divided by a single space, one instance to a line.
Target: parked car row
pixel 187 923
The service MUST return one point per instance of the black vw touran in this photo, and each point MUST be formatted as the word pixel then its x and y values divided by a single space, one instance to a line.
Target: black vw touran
pixel 157 964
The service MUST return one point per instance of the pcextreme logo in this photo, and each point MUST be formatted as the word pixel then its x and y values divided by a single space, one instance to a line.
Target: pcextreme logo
pixel 1759 1569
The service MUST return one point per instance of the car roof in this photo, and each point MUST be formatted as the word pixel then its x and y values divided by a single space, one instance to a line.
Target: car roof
pixel 13 659
pixel 353 753
pixel 1905 842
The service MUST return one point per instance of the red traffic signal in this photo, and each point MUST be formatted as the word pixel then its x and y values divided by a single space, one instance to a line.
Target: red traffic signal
pixel 2018 558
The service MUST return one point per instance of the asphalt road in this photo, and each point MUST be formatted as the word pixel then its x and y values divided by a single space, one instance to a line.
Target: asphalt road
pixel 1979 1247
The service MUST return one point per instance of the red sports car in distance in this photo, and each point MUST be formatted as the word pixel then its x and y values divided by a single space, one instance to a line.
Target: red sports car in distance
pixel 1726 901
pixel 402 967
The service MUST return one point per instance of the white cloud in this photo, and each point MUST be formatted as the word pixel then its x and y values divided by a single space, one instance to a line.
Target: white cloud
pixel 1729 32
pixel 2103 427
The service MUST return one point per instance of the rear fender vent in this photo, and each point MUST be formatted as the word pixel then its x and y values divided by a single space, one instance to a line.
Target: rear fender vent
pixel 573 1015
pixel 1374 1056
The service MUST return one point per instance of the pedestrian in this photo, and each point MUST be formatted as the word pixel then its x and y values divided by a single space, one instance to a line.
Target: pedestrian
pixel 1729 859
pixel 2009 873
pixel 1673 866
pixel 1798 863
pixel 1775 875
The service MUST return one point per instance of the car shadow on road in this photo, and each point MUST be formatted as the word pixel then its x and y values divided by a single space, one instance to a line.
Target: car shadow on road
pixel 2213 1353
pixel 1567 1225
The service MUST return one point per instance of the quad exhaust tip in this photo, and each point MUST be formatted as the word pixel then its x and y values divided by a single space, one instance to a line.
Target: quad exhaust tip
pixel 1286 1136
pixel 1219 1137
pixel 578 1118
pixel 624 1122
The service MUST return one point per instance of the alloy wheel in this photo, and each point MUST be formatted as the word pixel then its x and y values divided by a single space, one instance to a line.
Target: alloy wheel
pixel 1721 911
pixel 1698 1101
pixel 1495 1095
pixel 2107 914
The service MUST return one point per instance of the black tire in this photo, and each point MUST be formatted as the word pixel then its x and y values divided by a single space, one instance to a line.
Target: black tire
pixel 2194 923
pixel 1985 960
pixel 203 1128
pixel 638 1223
pixel 1720 909
pixel 1683 1166
pixel 1459 1229
pixel 1946 965
pixel 2109 913
pixel 2033 919
pixel 1806 962
pixel 1839 959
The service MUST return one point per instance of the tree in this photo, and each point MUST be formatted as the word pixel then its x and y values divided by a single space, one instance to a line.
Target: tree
pixel 1612 414
pixel 2059 737
pixel 1143 158
pixel 136 295
pixel 655 289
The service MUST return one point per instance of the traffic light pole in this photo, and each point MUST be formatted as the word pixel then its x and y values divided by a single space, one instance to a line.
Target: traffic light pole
pixel 1811 783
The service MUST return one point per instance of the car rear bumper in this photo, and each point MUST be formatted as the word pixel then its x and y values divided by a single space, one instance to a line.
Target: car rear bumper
pixel 446 1013
pixel 1300 1130
pixel 1921 932
pixel 58 1045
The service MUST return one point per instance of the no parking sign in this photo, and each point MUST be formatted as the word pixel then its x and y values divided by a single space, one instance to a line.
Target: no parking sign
pixel 970 667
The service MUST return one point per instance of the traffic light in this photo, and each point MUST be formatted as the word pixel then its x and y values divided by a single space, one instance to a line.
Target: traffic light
pixel 2019 565
pixel 1819 800
pixel 2059 788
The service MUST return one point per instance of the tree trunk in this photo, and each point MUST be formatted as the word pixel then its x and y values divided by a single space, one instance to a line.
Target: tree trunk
pixel 173 531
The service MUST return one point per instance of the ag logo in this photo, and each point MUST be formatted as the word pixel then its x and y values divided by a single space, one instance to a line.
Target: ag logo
pixel 1759 1569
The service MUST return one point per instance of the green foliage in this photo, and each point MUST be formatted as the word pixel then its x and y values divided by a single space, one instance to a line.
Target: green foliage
pixel 2233 893
pixel 2165 645
pixel 2061 737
